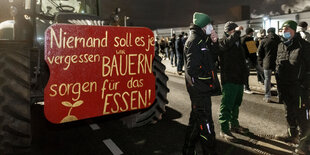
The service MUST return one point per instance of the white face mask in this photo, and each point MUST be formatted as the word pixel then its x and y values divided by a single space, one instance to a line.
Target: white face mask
pixel 208 29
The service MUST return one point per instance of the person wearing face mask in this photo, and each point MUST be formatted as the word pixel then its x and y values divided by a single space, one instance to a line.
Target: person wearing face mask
pixel 267 54
pixel 201 82
pixel 233 77
pixel 293 78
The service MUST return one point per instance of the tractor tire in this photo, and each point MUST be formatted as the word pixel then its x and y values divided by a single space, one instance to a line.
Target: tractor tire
pixel 15 127
pixel 153 113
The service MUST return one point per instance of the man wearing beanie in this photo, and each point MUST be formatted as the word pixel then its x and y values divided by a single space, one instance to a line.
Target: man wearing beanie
pixel 267 54
pixel 293 77
pixel 201 82
pixel 233 77
pixel 251 58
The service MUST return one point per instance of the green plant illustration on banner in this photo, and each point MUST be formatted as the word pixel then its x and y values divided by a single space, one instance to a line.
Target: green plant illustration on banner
pixel 70 117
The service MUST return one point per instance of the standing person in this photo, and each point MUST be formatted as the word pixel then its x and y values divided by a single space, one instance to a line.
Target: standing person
pixel 293 75
pixel 250 56
pixel 180 48
pixel 302 29
pixel 173 52
pixel 201 82
pixel 233 77
pixel 261 36
pixel 185 38
pixel 267 53
pixel 162 46
pixel 156 46
pixel 167 49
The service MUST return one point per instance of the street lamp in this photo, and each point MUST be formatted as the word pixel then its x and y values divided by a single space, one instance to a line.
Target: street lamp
pixel 125 20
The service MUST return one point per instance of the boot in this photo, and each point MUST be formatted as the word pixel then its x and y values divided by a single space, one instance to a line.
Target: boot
pixel 304 145
pixel 239 129
pixel 290 137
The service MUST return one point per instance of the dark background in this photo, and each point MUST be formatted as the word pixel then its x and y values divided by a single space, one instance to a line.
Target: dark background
pixel 178 13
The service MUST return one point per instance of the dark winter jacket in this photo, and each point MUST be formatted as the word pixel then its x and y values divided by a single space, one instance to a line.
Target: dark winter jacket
pixel 267 51
pixel 232 59
pixel 180 45
pixel 199 55
pixel 172 44
pixel 156 47
pixel 293 62
pixel 250 56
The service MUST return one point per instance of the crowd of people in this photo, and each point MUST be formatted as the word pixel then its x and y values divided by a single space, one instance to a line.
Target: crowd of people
pixel 172 49
pixel 286 54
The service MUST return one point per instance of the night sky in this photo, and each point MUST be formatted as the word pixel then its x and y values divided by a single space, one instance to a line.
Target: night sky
pixel 178 13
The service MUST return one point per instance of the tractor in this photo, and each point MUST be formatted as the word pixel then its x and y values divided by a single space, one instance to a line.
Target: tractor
pixel 24 72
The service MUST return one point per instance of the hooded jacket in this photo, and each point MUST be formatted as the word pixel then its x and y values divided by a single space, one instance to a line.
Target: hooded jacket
pixel 232 59
pixel 199 56
pixel 267 51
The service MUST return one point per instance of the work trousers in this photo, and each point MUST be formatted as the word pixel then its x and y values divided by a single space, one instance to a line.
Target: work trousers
pixel 200 128
pixel 296 102
pixel 229 109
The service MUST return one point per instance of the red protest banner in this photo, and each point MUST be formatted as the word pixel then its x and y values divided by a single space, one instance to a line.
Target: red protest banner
pixel 97 70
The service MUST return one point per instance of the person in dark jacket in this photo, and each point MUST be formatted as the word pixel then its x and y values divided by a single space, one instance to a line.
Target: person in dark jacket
pixel 251 57
pixel 261 36
pixel 293 77
pixel 233 77
pixel 163 46
pixel 201 82
pixel 173 51
pixel 156 46
pixel 267 54
pixel 180 48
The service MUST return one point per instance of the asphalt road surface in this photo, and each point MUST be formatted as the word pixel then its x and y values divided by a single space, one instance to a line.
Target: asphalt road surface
pixel 108 136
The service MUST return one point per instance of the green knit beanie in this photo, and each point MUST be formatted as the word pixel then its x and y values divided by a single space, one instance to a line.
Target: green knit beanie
pixel 201 19
pixel 291 24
